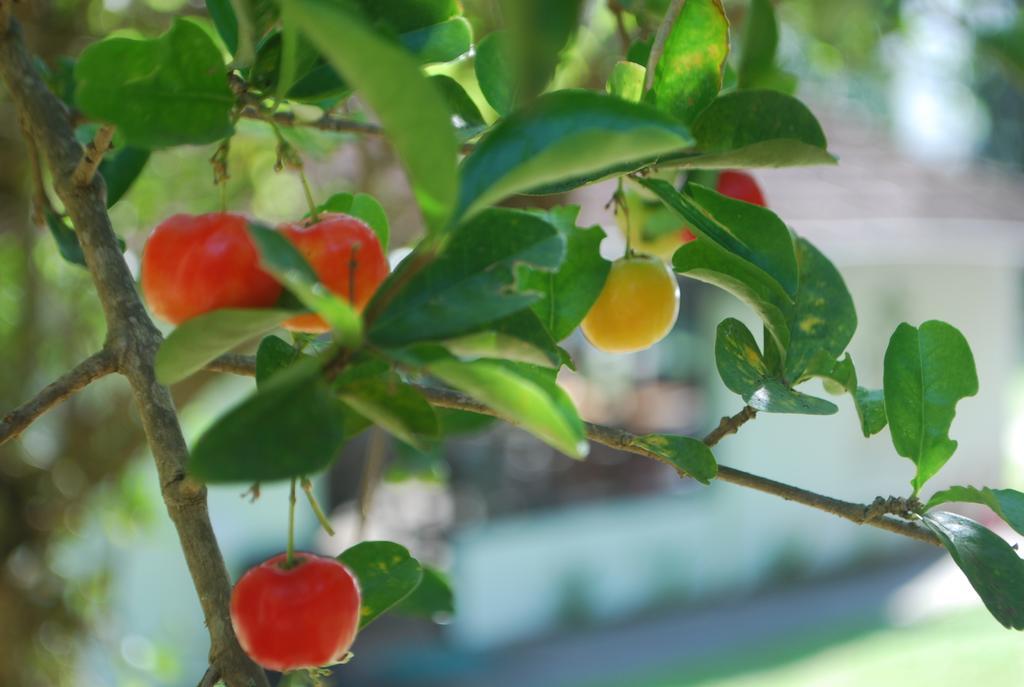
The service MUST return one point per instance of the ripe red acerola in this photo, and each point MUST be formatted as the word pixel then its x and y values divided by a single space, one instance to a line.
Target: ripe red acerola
pixel 302 616
pixel 193 264
pixel 741 186
pixel 346 256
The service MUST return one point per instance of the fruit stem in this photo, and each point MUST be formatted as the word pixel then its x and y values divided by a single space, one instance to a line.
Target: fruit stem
pixel 289 559
pixel 307 487
pixel 620 201
pixel 288 157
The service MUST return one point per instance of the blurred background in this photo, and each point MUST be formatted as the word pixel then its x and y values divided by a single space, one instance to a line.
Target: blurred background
pixel 604 573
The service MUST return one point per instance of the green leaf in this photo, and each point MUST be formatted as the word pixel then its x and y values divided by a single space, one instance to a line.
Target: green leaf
pixel 66 239
pixel 273 355
pixel 473 282
pixel 281 259
pixel 721 258
pixel 538 31
pixel 466 115
pixel 400 16
pixel 1008 504
pixel 395 406
pixel 569 291
pixel 743 370
pixel 119 169
pixel 561 137
pixel 432 599
pixel 292 426
pixel 520 394
pixel 990 564
pixel 927 371
pixel 163 92
pixel 757 67
pixel 412 112
pixel 627 81
pixel 494 72
pixel 199 340
pixel 756 129
pixel 519 337
pixel 224 20
pixel 870 405
pixel 365 207
pixel 686 454
pixel 441 42
pixel 688 75
pixel 824 318
pixel 386 574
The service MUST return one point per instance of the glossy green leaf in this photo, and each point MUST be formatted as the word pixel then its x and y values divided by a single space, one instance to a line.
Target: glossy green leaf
pixel 393 405
pixel 493 67
pixel 757 67
pixel 386 573
pixel 281 259
pixel 432 599
pixel 824 319
pixel 401 16
pixel 365 207
pixel 870 405
pixel 756 128
pixel 441 42
pixel 927 371
pixel 538 32
pixel 569 291
pixel 473 282
pixel 520 394
pixel 686 454
pixel 1008 504
pixel 273 355
pixel 688 75
pixel 722 258
pixel 389 80
pixel 120 168
pixel 744 371
pixel 224 20
pixel 520 337
pixel 564 135
pixel 627 81
pixel 65 238
pixel 990 564
pixel 162 92
pixel 291 427
pixel 465 114
pixel 199 340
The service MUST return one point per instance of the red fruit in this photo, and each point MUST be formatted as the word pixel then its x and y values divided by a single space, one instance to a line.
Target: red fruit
pixel 741 186
pixel 686 235
pixel 304 616
pixel 346 256
pixel 193 264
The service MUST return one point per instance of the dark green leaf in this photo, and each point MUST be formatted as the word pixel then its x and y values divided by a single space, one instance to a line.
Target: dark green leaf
pixel 389 80
pixel 824 319
pixel 627 81
pixel 686 454
pixel 688 75
pixel 467 118
pixel 66 239
pixel 441 42
pixel 927 371
pixel 292 426
pixel 281 259
pixel 563 136
pixel 569 291
pixel 386 573
pixel 120 168
pixel 473 282
pixel 432 599
pixel 400 16
pixel 273 355
pixel 395 406
pixel 225 21
pixel 757 68
pixel 743 370
pixel 538 32
pixel 494 72
pixel 756 129
pixel 365 207
pixel 201 339
pixel 162 92
pixel 1006 503
pixel 990 564
pixel 870 405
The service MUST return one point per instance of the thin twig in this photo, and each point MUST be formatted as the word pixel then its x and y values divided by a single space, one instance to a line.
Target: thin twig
pixel 210 677
pixel 92 156
pixel 622 440
pixel 660 38
pixel 620 22
pixel 97 365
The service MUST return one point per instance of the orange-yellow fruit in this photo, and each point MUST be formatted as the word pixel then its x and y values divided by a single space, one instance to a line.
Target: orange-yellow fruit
pixel 637 306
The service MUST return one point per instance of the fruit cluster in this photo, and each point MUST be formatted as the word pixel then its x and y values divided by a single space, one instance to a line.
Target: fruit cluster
pixel 193 264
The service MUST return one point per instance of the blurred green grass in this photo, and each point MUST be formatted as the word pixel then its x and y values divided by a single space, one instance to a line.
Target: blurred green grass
pixel 962 648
